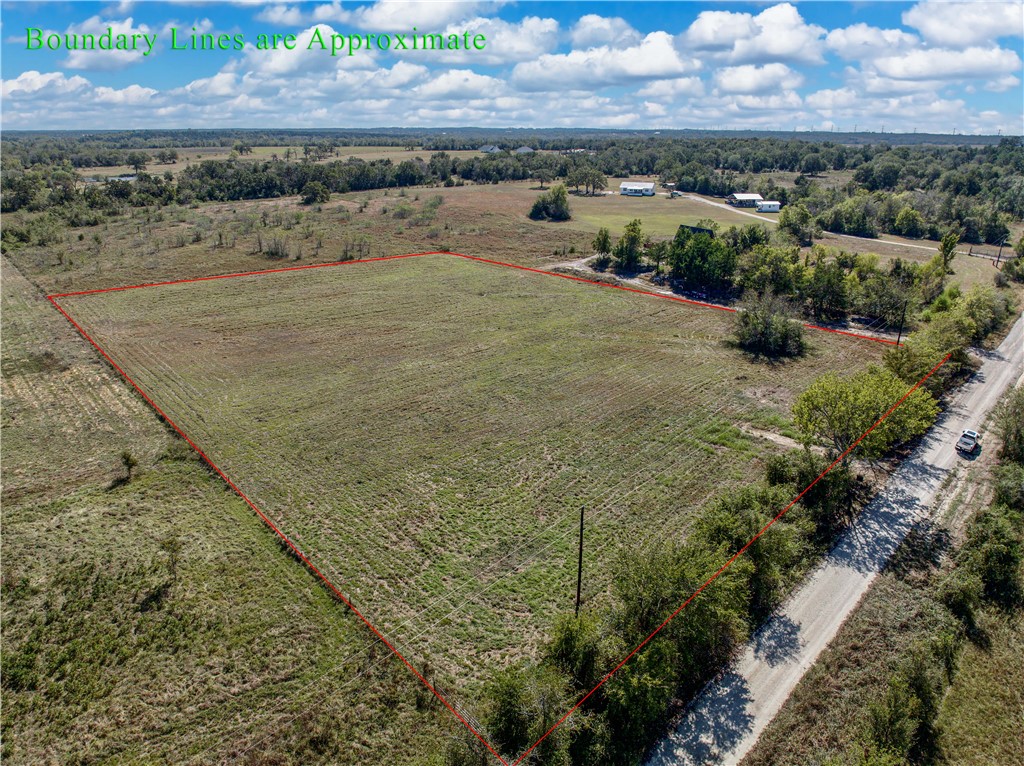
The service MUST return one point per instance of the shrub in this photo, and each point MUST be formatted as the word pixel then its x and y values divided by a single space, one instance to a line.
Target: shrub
pixel 764 326
pixel 552 206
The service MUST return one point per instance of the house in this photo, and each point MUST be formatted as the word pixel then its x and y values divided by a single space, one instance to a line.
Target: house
pixel 768 206
pixel 636 189
pixel 744 200
pixel 523 150
pixel 489 149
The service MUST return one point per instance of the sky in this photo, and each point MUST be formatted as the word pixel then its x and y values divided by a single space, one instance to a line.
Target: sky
pixel 929 66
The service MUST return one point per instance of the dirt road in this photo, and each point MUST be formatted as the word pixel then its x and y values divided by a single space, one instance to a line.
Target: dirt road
pixel 726 719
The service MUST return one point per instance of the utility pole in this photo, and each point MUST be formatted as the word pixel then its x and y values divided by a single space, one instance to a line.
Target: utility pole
pixel 579 570
pixel 899 335
pixel 999 255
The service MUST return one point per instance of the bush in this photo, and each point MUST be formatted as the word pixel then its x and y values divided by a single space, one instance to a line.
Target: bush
pixel 764 326
pixel 314 193
pixel 552 206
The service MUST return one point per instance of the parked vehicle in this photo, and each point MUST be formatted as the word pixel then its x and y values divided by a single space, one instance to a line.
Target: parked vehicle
pixel 968 443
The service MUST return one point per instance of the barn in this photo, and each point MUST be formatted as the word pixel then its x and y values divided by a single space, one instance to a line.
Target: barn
pixel 636 189
pixel 744 200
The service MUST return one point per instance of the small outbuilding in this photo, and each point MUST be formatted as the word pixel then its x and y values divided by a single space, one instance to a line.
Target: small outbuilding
pixel 768 206
pixel 524 150
pixel 490 149
pixel 636 189
pixel 744 200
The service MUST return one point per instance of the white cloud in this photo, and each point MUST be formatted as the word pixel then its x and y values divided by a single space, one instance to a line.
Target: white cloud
pixel 460 84
pixel 757 79
pixel 943 64
pixel 961 25
pixel 669 90
pixel 33 83
pixel 100 60
pixel 776 34
pixel 719 30
pixel 283 15
pixel 1003 84
pixel 592 30
pixel 403 15
pixel 654 58
pixel 131 95
pixel 506 42
pixel 861 41
pixel 283 62
pixel 220 85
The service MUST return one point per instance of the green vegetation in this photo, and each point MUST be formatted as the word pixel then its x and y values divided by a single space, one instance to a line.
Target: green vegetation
pixel 484 485
pixel 764 327
pixel 928 669
pixel 157 620
pixel 552 206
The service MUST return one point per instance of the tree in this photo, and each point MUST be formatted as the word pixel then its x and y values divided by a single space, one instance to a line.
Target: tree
pixel 543 175
pixel 314 193
pixel 764 326
pixel 629 248
pixel 138 161
pixel 775 269
pixel 909 222
pixel 1010 426
pixel 947 248
pixel 552 206
pixel 796 220
pixel 826 290
pixel 837 411
pixel 602 242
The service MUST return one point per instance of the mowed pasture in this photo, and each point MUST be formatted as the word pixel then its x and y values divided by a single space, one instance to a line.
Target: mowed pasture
pixel 427 429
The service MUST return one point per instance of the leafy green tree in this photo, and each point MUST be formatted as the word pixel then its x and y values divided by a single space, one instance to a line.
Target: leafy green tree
pixel 734 519
pixel 826 291
pixel 638 698
pixel 947 248
pixel 774 269
pixel 629 249
pixel 764 326
pixel 837 411
pixel 314 193
pixel 552 205
pixel 1010 426
pixel 137 160
pixel 797 221
pixel 576 648
pixel 909 222
pixel 602 242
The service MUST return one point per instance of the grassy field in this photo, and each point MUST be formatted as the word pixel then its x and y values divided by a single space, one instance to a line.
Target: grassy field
pixel 112 654
pixel 427 429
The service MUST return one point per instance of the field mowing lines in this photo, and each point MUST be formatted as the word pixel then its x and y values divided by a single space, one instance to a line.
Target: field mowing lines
pixel 593 551
pixel 312 687
pixel 611 490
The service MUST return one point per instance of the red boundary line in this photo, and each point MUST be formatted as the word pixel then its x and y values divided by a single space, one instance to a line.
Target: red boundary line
pixel 309 564
pixel 574 278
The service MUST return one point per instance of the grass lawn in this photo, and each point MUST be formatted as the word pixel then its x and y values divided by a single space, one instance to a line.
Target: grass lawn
pixel 427 429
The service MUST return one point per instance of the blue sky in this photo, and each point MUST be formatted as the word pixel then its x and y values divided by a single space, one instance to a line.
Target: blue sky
pixel 927 66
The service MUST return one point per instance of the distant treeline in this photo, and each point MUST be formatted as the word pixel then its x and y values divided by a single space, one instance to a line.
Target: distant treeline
pixel 919 191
